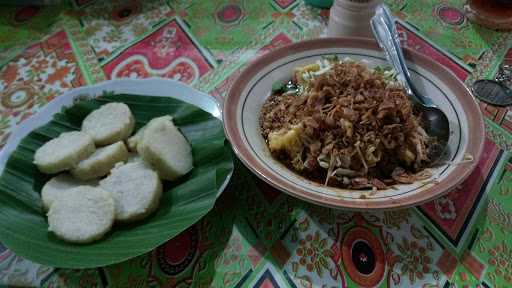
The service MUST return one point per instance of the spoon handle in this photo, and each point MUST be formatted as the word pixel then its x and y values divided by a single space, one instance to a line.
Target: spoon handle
pixel 390 23
pixel 385 32
pixel 384 38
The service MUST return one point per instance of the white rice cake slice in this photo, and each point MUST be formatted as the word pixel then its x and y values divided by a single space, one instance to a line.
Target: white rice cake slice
pixel 110 123
pixel 165 149
pixel 133 141
pixel 55 187
pixel 64 152
pixel 101 161
pixel 136 190
pixel 81 215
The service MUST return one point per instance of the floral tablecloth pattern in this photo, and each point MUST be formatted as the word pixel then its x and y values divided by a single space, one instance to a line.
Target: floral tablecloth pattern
pixel 257 236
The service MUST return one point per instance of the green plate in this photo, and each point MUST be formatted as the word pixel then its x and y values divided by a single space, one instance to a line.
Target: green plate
pixel 23 226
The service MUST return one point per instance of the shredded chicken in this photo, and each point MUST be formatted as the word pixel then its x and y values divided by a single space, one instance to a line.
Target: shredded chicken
pixel 348 127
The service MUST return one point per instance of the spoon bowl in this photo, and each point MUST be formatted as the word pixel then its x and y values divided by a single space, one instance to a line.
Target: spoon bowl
pixel 437 126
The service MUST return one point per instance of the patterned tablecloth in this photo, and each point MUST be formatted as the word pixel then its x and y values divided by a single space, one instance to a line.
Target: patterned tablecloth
pixel 256 236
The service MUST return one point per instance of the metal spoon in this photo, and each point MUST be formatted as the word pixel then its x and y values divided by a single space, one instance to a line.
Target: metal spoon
pixel 434 121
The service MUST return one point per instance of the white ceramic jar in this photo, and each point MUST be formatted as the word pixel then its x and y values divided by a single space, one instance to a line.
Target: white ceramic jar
pixel 351 18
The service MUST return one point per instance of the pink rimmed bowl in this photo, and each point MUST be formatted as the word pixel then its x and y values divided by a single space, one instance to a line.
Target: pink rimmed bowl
pixel 243 105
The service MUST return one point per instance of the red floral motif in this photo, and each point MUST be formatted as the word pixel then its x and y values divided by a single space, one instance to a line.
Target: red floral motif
pixel 183 72
pixel 40 65
pixel 501 260
pixel 445 208
pixel 59 74
pixel 168 52
pixel 134 69
pixel 414 259
pixel 314 254
pixel 166 44
pixel 35 76
pixel 10 73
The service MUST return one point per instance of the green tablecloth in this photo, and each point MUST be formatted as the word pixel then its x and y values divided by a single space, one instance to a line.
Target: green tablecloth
pixel 256 236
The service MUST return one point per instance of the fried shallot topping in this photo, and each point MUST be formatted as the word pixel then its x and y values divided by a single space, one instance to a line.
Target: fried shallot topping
pixel 348 127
